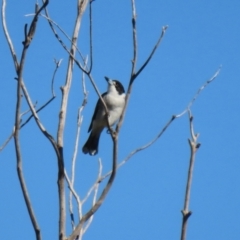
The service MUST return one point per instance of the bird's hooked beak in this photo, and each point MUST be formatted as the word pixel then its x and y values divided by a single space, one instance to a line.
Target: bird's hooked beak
pixel 109 81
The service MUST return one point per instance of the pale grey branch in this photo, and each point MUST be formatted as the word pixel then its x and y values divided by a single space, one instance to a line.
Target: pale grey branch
pixel 194 145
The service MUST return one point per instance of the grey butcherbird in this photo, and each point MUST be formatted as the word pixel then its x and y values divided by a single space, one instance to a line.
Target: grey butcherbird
pixel 115 101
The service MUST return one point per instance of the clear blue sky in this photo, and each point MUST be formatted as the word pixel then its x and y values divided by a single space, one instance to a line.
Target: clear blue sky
pixel 147 196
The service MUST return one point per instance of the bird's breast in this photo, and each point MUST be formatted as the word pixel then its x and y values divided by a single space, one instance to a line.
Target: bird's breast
pixel 115 104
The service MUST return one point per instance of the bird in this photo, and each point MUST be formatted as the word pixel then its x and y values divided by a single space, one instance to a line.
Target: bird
pixel 114 99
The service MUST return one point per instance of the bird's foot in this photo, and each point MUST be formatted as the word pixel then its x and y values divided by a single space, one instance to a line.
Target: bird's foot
pixel 111 130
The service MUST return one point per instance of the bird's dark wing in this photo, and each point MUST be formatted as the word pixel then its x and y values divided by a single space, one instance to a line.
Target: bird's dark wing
pixel 98 106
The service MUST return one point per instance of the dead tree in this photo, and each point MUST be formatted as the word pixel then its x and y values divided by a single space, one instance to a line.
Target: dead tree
pixel 84 64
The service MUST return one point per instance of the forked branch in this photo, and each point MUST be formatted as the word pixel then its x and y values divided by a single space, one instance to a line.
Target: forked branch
pixel 75 234
pixel 169 122
pixel 19 70
pixel 194 146
pixel 135 73
pixel 103 195
pixel 37 111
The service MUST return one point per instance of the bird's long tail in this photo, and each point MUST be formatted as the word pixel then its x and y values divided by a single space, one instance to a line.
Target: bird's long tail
pixel 91 146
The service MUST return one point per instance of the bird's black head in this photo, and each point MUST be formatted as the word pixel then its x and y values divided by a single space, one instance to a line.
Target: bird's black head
pixel 119 87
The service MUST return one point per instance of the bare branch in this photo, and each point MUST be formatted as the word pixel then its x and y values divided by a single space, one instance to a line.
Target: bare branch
pixel 25 191
pixel 166 125
pixel 164 28
pixel 8 140
pixel 170 121
pixel 115 141
pixel 34 112
pixel 103 195
pixel 79 202
pixel 38 122
pixel 19 157
pixel 94 196
pixel 79 123
pixel 58 63
pixel 94 186
pixel 70 205
pixel 193 147
pixel 90 31
pixel 42 107
pixel 66 88
pixel 33 26
pixel 62 117
pixel 23 124
pixel 15 58
pixel 81 5
pixel 200 90
pixel 84 69
pixel 204 86
pixel 53 93
pixel 19 70
pixel 134 61
pixel 8 38
pixel 51 23
pixel 61 125
pixel 27 111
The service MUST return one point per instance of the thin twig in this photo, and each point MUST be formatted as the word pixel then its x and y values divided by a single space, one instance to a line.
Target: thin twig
pixel 33 26
pixel 166 125
pixel 90 31
pixel 12 134
pixel 103 195
pixel 7 140
pixel 200 90
pixel 164 28
pixel 25 122
pixel 17 128
pixel 27 111
pixel 134 29
pixel 142 147
pixel 51 23
pixel 38 110
pixel 58 63
pixel 194 145
pixel 114 138
pixel 30 104
pixel 85 70
pixel 79 202
pixel 134 74
pixel 65 89
pixel 11 47
pixel 94 186
pixel 19 71
pixel 134 62
pixel 8 38
pixel 79 123
pixel 62 117
pixel 171 120
pixel 94 196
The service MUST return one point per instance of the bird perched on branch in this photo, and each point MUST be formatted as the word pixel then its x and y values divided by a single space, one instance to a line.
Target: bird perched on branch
pixel 114 99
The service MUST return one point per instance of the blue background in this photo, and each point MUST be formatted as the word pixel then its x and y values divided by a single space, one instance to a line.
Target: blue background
pixel 148 193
